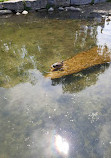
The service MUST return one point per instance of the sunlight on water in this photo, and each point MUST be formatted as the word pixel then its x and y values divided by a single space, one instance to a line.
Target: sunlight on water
pixel 61 144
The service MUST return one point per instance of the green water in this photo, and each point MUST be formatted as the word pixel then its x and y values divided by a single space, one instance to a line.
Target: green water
pixel 63 118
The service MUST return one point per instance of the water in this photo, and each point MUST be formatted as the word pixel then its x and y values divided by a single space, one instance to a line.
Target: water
pixel 63 118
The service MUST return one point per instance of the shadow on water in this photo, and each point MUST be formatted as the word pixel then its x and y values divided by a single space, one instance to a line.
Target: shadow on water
pixel 77 82
pixel 62 15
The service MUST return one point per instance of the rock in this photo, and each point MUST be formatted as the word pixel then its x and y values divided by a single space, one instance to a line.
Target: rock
pixel 33 5
pixel 3 12
pixel 61 9
pixel 17 13
pixel 58 2
pixel 17 6
pixel 81 2
pixel 51 2
pixel 25 12
pixel 72 9
pixel 98 20
pixel 50 9
pixel 78 9
pixel 62 2
pixel 93 15
pixel 67 8
pixel 43 4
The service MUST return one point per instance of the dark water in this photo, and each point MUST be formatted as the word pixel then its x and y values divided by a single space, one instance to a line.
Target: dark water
pixel 63 118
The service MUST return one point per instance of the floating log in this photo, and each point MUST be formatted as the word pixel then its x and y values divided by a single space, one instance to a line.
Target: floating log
pixel 82 61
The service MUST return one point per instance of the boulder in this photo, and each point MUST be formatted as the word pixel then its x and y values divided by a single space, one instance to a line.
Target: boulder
pixel 4 12
pixel 51 2
pixel 61 9
pixel 43 3
pixel 35 4
pixel 59 2
pixel 50 9
pixel 17 6
pixel 25 12
pixel 63 2
pixel 20 5
pixel 80 2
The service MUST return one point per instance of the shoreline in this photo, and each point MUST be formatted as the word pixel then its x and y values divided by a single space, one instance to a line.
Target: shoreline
pixel 72 12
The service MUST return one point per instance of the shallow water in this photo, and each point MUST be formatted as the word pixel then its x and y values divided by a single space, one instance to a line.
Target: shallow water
pixel 42 118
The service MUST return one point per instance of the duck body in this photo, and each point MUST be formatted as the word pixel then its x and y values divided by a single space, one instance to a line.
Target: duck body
pixel 57 66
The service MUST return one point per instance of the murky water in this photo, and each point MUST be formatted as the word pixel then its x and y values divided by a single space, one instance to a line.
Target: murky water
pixel 63 118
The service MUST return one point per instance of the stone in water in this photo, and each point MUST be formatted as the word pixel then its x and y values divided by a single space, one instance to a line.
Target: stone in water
pixel 25 12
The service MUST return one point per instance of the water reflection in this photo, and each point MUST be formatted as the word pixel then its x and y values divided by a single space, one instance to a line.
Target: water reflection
pixel 77 82
pixel 34 121
pixel 103 38
pixel 38 118
pixel 49 42
pixel 61 145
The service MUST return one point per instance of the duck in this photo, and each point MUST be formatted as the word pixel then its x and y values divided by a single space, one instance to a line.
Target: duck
pixel 57 66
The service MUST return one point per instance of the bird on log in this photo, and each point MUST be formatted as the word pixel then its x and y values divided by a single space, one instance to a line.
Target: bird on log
pixel 57 66
pixel 81 61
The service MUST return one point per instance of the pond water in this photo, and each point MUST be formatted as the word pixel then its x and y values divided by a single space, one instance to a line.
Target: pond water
pixel 43 118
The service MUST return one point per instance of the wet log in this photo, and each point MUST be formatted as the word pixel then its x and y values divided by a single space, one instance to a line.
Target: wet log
pixel 82 61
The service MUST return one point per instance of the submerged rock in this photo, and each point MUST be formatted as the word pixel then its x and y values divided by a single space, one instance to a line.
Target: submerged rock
pixel 93 15
pixel 3 12
pixel 25 12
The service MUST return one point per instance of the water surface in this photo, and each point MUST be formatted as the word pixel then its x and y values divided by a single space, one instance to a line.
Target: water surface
pixel 42 118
